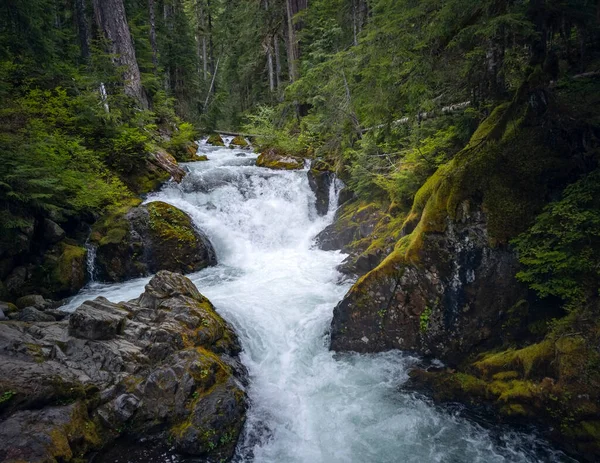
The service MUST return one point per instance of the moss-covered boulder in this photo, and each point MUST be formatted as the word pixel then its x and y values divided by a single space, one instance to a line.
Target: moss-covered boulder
pixel 239 142
pixel 274 159
pixel 215 140
pixel 161 369
pixel 133 242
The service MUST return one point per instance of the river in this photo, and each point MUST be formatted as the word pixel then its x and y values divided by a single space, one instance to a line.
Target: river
pixel 308 404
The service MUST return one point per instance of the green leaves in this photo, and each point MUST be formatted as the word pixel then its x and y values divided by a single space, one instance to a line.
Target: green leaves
pixel 561 251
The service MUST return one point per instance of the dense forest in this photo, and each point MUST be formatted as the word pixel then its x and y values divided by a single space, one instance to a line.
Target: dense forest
pixel 466 133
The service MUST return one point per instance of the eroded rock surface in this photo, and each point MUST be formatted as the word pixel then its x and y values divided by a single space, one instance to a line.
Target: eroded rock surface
pixel 164 368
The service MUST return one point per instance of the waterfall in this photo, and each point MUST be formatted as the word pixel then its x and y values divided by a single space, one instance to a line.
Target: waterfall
pixel 91 260
pixel 307 403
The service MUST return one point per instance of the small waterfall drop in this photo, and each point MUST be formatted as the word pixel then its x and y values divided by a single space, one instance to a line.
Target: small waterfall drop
pixel 91 260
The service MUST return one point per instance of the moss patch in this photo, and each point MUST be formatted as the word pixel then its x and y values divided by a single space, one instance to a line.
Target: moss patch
pixel 215 140
pixel 170 224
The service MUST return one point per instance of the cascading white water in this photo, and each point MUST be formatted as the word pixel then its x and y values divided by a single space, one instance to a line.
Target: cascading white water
pixel 307 404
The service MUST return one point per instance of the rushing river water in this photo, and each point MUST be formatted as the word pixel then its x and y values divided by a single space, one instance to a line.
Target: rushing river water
pixel 307 404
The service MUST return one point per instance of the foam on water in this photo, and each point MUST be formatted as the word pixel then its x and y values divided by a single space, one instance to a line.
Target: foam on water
pixel 307 404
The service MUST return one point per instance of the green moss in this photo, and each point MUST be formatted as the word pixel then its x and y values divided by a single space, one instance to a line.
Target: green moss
pixel 113 227
pixel 279 161
pixel 170 224
pixel 71 266
pixel 239 141
pixel 526 361
pixel 6 396
pixel 215 140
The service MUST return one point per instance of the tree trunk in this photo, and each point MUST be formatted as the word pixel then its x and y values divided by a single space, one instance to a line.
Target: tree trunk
pixel 153 36
pixel 292 43
pixel 277 61
pixel 110 16
pixel 83 29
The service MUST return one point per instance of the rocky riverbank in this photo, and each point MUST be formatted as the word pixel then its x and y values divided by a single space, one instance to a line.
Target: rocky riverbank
pixel 441 280
pixel 163 368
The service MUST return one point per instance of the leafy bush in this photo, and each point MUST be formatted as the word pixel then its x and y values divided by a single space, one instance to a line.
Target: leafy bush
pixel 561 251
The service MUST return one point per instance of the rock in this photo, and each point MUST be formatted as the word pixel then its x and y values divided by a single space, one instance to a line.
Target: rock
pixel 169 164
pixel 97 320
pixel 319 179
pixel 8 307
pixel 442 307
pixel 215 140
pixel 2 316
pixel 53 233
pixel 31 314
pixel 274 159
pixel 33 300
pixel 47 435
pixel 152 237
pixel 161 369
pixel 17 280
pixel 353 222
pixel 239 142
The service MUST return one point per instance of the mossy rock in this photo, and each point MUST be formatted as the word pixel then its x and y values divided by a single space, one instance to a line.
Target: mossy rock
pixel 239 141
pixel 277 160
pixel 215 140
pixel 143 240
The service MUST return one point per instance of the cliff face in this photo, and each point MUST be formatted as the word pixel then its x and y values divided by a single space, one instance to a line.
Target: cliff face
pixel 449 284
pixel 446 305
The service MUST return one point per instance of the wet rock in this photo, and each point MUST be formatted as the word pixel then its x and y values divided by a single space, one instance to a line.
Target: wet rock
pixel 319 179
pixel 275 159
pixel 444 306
pixel 97 320
pixel 53 233
pixel 8 307
pixel 2 316
pixel 239 142
pixel 353 222
pixel 31 314
pixel 158 368
pixel 47 435
pixel 215 140
pixel 152 237
pixel 32 300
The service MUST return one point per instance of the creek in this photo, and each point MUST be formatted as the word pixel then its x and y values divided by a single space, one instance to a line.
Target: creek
pixel 308 404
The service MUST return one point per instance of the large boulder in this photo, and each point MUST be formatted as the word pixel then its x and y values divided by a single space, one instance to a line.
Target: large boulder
pixel 273 158
pixel 163 369
pixel 145 239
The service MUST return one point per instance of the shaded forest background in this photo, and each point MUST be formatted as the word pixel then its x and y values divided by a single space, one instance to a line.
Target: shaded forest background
pixel 385 91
